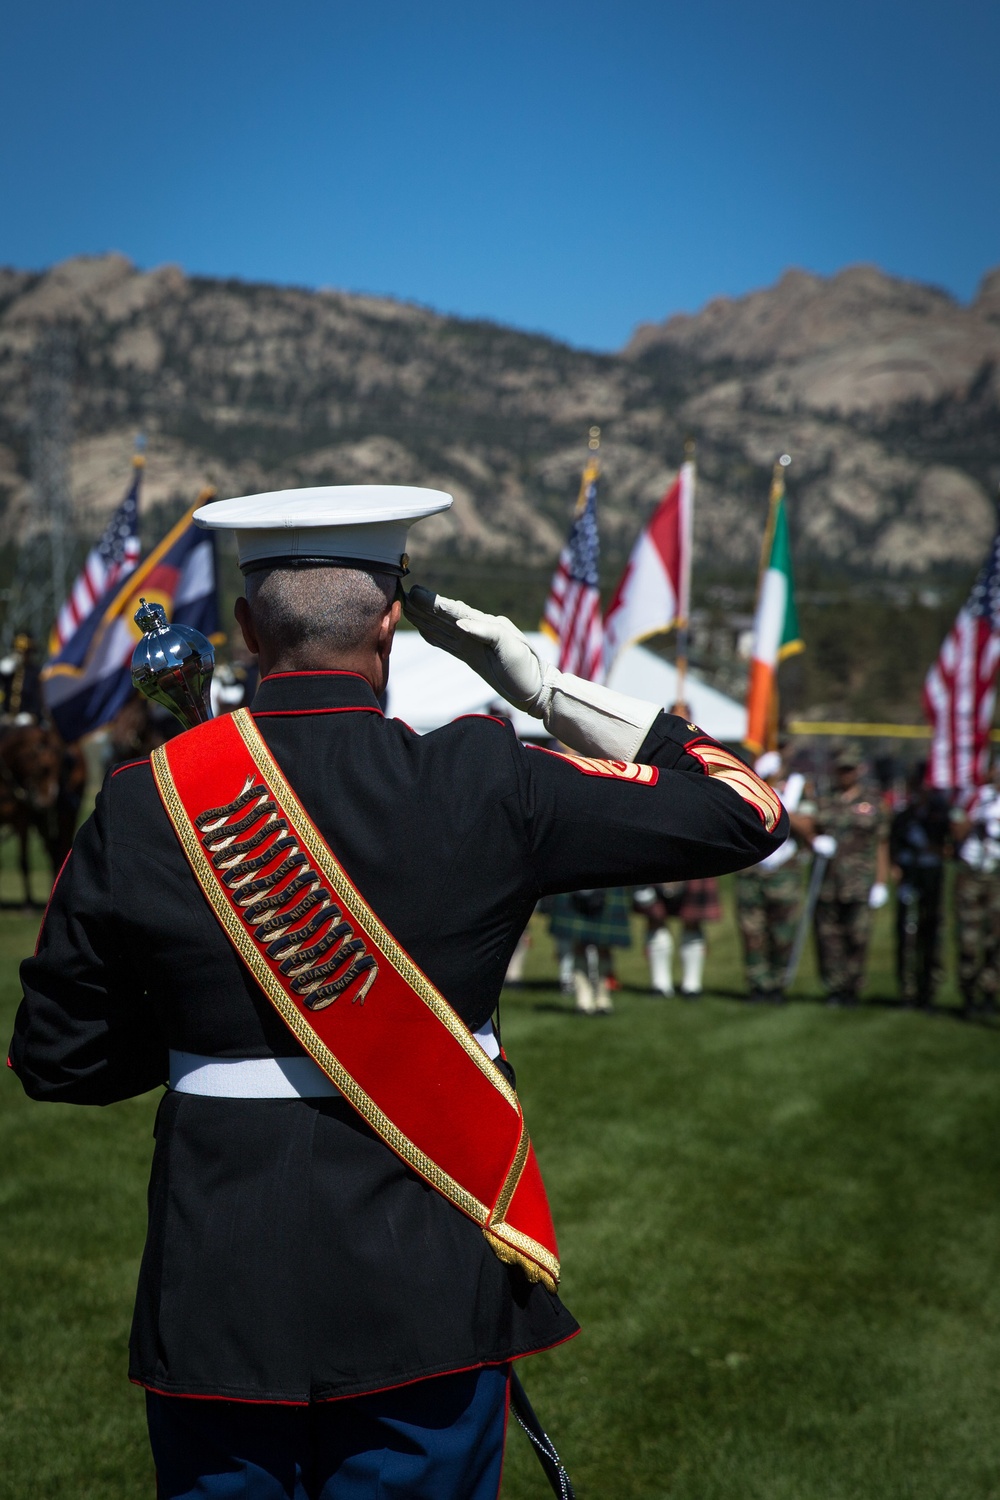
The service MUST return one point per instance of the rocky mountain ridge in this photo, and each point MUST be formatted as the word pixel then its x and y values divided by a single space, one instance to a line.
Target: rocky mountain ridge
pixel 885 392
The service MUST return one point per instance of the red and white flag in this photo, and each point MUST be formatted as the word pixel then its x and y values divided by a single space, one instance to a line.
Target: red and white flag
pixel 960 689
pixel 573 609
pixel 655 589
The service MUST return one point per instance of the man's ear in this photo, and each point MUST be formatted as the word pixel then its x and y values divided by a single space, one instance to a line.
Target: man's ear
pixel 387 629
pixel 244 620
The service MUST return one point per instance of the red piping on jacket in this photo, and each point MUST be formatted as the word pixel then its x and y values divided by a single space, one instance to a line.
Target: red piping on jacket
pixel 127 765
pixel 379 1390
pixel 580 762
pixel 317 672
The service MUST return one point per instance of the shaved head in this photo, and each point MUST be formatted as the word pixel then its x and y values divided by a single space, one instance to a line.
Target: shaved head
pixel 302 619
pixel 337 609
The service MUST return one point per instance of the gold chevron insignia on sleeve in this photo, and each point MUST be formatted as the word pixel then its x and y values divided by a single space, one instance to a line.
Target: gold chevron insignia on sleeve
pixel 737 774
pixel 619 770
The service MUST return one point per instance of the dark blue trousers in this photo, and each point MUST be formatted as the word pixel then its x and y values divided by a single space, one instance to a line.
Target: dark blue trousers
pixel 439 1439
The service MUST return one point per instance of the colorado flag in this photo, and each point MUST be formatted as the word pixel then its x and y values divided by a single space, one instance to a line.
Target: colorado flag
pixel 90 679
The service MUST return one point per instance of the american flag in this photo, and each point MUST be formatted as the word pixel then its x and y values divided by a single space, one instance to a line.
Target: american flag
pixel 573 609
pixel 111 560
pixel 961 688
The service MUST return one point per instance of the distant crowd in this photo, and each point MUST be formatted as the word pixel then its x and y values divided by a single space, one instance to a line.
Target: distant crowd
pixel 854 843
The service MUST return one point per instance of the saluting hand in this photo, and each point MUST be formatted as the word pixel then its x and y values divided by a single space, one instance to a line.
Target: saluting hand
pixel 490 644
pixel 589 718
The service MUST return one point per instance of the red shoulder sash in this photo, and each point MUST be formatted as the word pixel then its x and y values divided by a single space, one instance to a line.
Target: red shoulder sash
pixel 347 991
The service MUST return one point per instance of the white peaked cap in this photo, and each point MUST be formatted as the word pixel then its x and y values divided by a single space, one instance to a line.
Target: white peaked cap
pixel 350 525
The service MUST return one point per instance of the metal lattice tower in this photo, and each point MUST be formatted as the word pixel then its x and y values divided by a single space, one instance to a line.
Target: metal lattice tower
pixel 47 539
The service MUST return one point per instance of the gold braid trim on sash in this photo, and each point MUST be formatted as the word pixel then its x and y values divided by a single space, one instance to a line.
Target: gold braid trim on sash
pixel 515 1247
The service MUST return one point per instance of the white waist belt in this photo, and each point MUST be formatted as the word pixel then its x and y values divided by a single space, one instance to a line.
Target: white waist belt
pixel 249 1077
pixel 269 1077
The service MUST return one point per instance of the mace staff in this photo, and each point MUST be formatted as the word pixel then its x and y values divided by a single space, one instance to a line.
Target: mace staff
pixel 173 665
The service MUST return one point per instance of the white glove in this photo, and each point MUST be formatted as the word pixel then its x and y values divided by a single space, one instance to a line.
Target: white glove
pixel 878 895
pixel 590 719
pixel 490 644
pixel 824 845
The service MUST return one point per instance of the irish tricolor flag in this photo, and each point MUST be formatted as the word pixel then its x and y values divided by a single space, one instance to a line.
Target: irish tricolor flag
pixel 775 626
pixel 654 592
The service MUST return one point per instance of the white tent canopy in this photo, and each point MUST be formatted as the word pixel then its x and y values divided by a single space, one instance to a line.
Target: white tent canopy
pixel 428 688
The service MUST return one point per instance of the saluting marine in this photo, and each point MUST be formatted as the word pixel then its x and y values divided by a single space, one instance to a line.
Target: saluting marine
pixel 285 915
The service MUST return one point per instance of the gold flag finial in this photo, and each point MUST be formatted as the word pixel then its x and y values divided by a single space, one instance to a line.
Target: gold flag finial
pixel 591 468
pixel 778 476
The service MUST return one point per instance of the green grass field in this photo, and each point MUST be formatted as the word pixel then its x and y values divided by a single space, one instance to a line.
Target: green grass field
pixel 779 1229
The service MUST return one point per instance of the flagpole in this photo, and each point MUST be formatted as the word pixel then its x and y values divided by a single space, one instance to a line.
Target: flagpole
pixel 774 500
pixel 592 467
pixel 572 614
pixel 682 642
pixel 770 735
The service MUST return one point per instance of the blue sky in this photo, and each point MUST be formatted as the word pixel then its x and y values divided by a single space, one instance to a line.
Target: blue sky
pixel 573 168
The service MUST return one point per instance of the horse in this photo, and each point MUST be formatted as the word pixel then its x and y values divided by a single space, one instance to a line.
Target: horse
pixel 42 781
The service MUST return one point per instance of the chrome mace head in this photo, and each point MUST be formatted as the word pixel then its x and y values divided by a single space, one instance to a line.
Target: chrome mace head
pixel 173 665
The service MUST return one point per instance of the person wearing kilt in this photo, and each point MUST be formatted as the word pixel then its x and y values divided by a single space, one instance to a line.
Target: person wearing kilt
pixel 589 924
pixel 692 903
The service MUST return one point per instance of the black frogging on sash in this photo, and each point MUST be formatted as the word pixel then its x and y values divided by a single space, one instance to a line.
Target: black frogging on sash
pixel 278 924
pixel 237 874
pixel 298 935
pixel 268 882
pixel 233 830
pixel 260 907
pixel 272 909
pixel 232 852
pixel 219 814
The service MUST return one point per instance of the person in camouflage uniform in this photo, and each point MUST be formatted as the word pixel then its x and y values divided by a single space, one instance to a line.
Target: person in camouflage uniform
pixel 769 896
pixel 977 898
pixel 767 909
pixel 856 879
